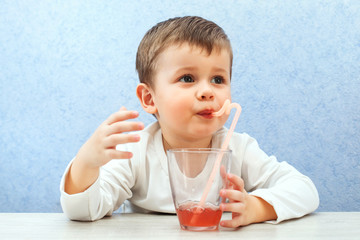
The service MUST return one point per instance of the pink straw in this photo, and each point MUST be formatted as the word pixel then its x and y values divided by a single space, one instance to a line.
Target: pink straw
pixel 225 109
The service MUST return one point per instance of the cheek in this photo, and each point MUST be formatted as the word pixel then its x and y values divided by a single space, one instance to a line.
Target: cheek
pixel 178 102
pixel 172 107
pixel 177 110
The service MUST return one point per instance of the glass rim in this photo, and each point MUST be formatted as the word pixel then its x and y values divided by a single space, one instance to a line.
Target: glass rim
pixel 198 150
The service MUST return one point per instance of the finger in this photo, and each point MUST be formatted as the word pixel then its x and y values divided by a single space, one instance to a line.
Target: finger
pixel 121 116
pixel 234 223
pixel 121 127
pixel 123 108
pixel 115 139
pixel 115 154
pixel 237 181
pixel 235 207
pixel 232 195
pixel 223 172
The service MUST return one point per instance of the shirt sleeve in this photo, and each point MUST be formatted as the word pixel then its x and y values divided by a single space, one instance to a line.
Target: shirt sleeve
pixel 104 196
pixel 291 193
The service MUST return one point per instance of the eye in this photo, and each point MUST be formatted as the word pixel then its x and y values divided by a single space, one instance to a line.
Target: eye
pixel 186 79
pixel 217 80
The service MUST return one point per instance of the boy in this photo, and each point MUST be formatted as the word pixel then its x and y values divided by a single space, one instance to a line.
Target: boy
pixel 184 66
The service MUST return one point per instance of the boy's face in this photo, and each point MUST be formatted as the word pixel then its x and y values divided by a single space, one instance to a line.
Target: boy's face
pixel 189 85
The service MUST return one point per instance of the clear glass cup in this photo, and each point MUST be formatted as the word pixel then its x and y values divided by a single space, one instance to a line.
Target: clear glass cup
pixel 189 172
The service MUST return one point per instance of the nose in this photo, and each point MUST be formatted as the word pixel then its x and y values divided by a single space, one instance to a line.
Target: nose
pixel 205 92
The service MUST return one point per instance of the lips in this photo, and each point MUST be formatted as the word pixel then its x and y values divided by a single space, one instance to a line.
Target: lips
pixel 206 114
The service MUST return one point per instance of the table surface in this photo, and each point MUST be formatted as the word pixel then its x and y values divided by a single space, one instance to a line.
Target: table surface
pixel 322 225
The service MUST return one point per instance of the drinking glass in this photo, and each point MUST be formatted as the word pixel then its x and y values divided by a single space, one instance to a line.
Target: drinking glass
pixel 189 173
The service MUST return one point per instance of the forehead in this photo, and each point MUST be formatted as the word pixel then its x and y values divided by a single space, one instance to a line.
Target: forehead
pixel 189 54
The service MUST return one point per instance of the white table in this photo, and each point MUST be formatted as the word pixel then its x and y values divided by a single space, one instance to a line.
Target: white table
pixel 324 225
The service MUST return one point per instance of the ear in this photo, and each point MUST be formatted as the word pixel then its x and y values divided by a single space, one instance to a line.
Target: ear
pixel 145 95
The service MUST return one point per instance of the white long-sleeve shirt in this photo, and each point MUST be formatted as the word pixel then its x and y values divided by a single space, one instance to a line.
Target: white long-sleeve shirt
pixel 143 180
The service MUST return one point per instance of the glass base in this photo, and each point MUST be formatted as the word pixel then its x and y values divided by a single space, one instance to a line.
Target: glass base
pixel 197 228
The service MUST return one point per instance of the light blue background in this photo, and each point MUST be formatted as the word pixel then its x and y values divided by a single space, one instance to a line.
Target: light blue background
pixel 66 65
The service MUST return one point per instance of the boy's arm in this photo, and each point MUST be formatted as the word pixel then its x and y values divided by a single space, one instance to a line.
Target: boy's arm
pixel 84 170
pixel 277 191
pixel 289 192
pixel 79 177
pixel 101 148
pixel 263 210
pixel 104 196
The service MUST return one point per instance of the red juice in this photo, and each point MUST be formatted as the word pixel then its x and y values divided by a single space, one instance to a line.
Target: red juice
pixel 195 216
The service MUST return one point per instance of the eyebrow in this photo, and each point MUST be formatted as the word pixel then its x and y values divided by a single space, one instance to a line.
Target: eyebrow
pixel 184 69
pixel 190 68
pixel 219 69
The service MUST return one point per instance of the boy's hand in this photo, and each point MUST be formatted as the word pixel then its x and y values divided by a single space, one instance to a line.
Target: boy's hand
pixel 101 146
pixel 245 208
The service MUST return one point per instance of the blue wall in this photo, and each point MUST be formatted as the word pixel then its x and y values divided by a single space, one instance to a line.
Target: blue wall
pixel 66 65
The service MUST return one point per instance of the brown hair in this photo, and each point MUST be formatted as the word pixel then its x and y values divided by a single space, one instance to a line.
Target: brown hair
pixel 196 31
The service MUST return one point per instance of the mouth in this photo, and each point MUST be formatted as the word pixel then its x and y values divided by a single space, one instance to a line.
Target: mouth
pixel 208 114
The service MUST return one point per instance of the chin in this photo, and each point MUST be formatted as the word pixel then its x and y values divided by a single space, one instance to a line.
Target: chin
pixel 204 132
